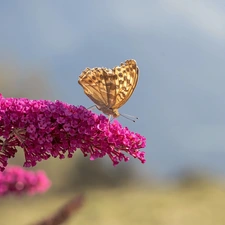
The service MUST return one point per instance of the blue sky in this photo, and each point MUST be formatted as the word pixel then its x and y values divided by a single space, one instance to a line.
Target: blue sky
pixel 179 47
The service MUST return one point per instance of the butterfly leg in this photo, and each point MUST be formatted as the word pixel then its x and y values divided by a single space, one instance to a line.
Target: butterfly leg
pixel 92 107
pixel 109 121
pixel 111 118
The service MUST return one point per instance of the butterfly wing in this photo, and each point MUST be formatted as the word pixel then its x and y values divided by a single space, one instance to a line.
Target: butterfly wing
pixel 99 86
pixel 127 78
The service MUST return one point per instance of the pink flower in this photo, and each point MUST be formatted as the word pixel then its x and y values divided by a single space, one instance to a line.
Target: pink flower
pixel 45 128
pixel 16 180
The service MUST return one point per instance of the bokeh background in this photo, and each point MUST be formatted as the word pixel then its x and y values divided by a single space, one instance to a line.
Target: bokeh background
pixel 179 46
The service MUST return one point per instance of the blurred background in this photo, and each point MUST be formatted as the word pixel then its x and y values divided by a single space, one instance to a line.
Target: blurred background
pixel 179 46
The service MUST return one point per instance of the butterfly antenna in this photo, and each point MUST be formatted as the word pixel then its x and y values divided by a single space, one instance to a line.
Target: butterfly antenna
pixel 136 118
pixel 129 117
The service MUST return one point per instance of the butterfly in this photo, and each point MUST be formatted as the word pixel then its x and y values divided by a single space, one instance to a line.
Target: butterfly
pixel 110 89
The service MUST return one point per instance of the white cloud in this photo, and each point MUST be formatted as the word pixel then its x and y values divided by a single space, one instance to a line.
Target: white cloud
pixel 205 16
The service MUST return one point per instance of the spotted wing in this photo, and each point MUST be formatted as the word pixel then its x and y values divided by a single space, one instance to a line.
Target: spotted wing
pixel 127 78
pixel 99 86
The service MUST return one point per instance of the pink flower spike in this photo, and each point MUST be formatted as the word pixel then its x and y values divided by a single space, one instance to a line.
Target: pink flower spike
pixel 44 128
pixel 16 180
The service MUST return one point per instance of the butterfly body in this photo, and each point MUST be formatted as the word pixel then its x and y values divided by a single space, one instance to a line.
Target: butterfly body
pixel 109 111
pixel 109 89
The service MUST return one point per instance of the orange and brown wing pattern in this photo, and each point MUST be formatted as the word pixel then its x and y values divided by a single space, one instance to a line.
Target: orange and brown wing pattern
pixel 94 87
pixel 127 78
pixel 110 88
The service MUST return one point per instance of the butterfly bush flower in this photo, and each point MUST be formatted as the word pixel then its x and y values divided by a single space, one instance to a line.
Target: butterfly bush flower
pixel 16 180
pixel 43 128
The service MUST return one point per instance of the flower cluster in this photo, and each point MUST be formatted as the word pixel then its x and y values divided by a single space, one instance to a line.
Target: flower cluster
pixel 44 128
pixel 16 180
